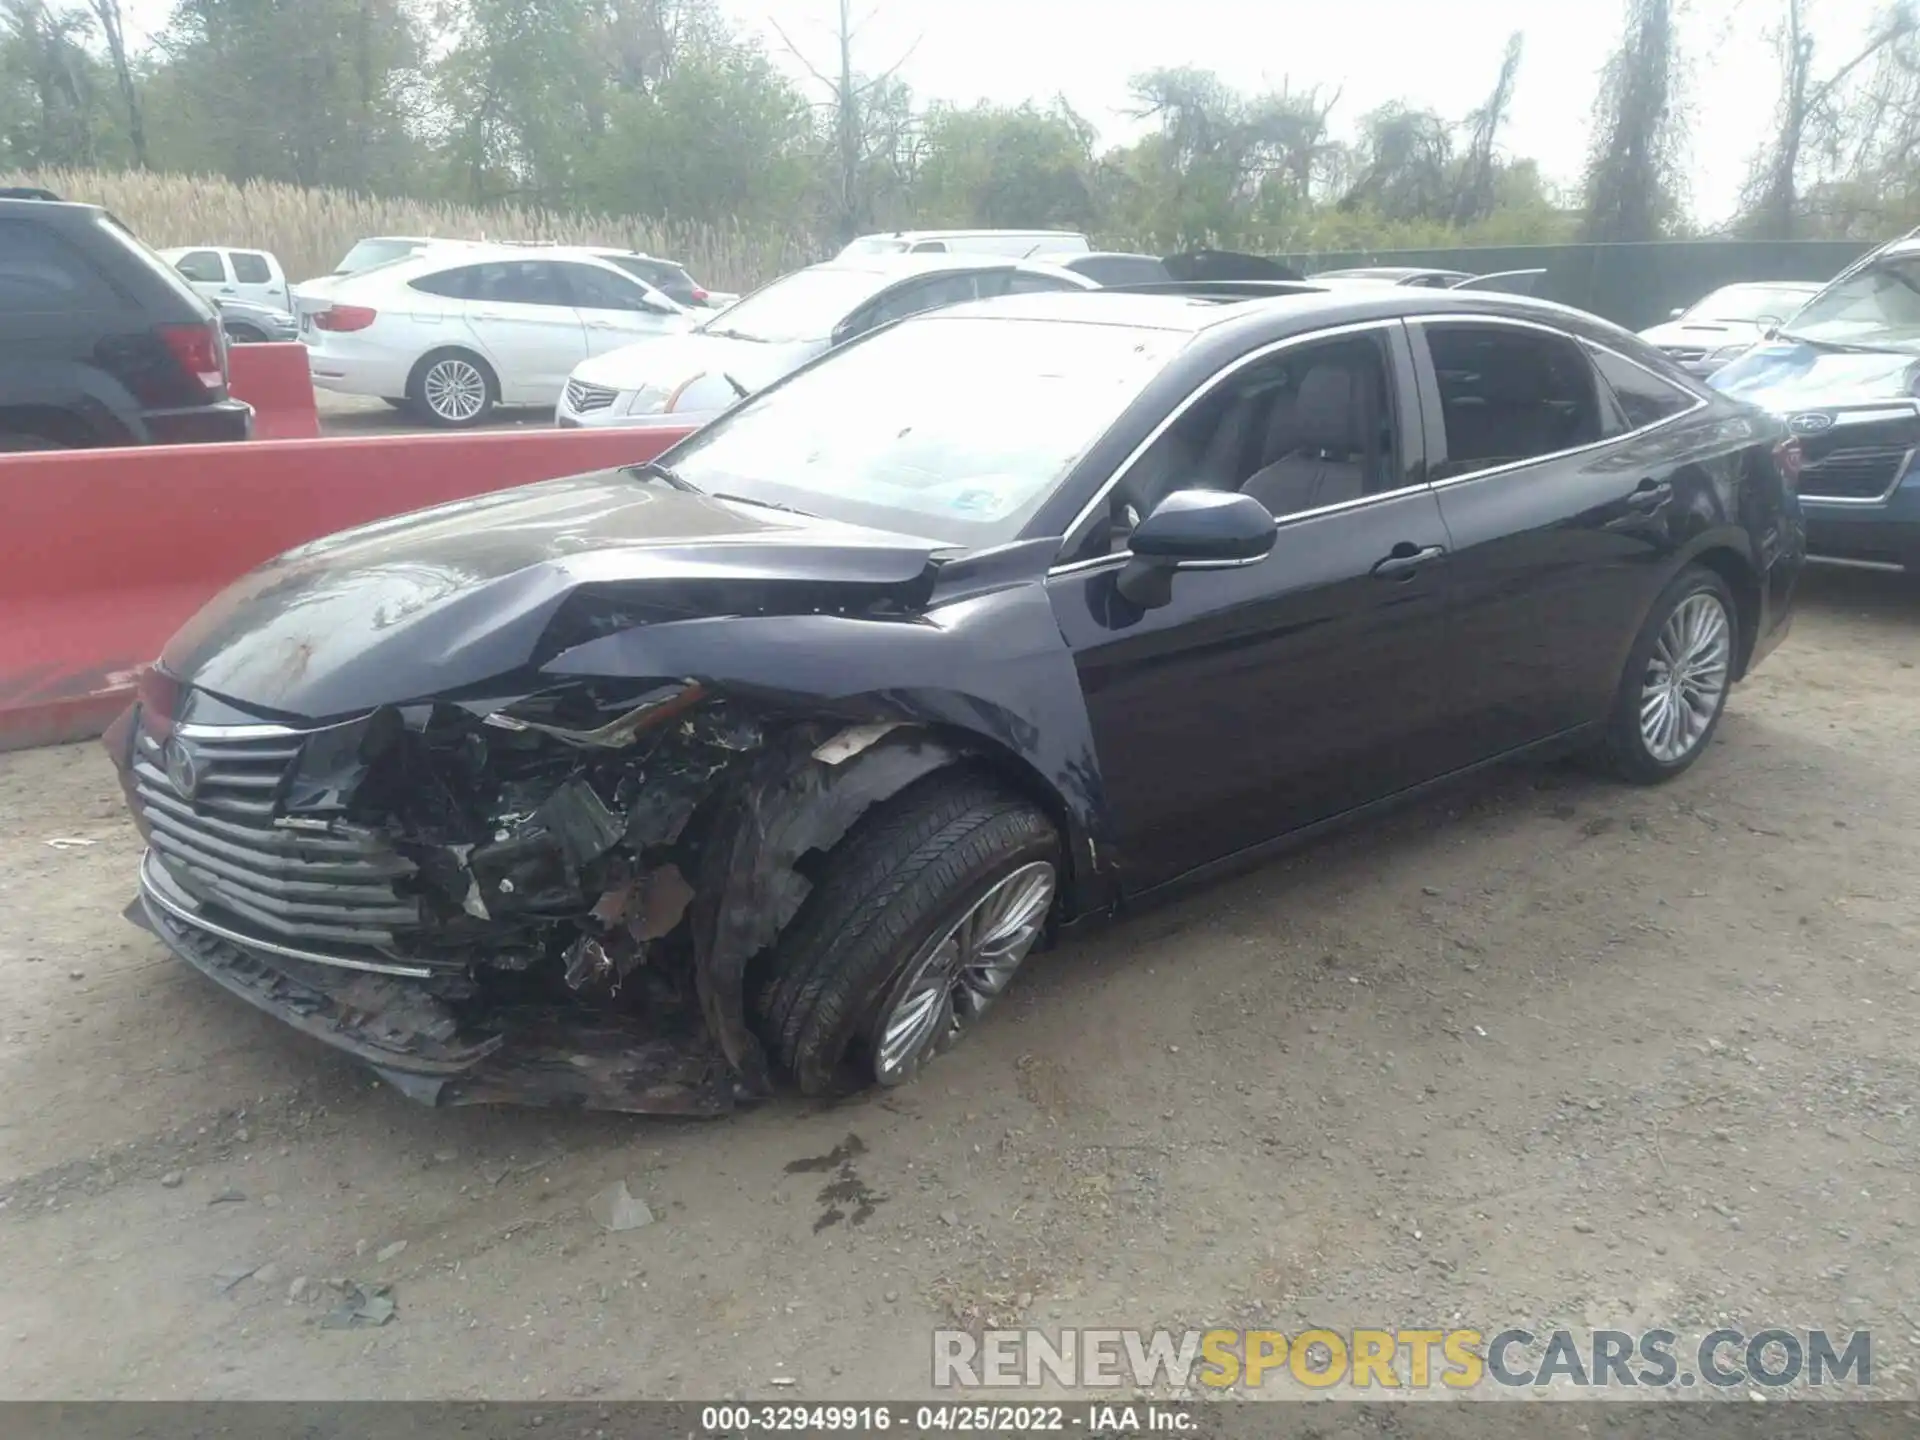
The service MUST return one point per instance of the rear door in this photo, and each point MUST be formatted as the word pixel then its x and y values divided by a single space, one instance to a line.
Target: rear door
pixel 521 314
pixel 616 309
pixel 1561 500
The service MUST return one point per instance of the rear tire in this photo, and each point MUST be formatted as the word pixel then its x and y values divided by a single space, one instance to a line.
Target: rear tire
pixel 918 922
pixel 398 402
pixel 1678 676
pixel 453 389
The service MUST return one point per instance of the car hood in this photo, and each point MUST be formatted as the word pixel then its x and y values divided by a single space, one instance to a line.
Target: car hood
pixel 1789 375
pixel 1706 334
pixel 670 361
pixel 465 593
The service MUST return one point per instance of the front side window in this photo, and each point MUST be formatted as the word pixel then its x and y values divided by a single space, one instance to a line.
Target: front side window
pixel 921 295
pixel 1645 398
pixel 202 266
pixel 595 289
pixel 956 428
pixel 251 269
pixel 803 306
pixel 1510 394
pixel 1876 309
pixel 1309 426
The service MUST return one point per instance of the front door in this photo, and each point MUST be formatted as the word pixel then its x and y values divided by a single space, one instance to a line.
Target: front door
pixel 1558 488
pixel 522 315
pixel 1266 698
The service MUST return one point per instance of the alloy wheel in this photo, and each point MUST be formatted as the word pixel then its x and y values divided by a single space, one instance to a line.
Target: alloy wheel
pixel 1686 680
pixel 953 981
pixel 454 389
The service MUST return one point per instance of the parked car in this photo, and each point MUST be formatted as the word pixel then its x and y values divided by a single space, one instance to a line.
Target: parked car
pixel 1017 244
pixel 250 324
pixel 1114 268
pixel 222 273
pixel 668 277
pixel 1719 327
pixel 780 327
pixel 101 341
pixel 1844 373
pixel 380 250
pixel 456 330
pixel 1513 282
pixel 771 761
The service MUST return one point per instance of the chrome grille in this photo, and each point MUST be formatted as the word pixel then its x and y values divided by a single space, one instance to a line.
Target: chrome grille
pixel 583 398
pixel 1858 472
pixel 223 847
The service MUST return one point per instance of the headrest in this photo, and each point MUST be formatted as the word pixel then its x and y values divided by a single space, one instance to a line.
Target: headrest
pixel 1326 411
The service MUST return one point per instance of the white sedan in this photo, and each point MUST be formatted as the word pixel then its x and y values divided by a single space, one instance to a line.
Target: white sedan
pixel 780 327
pixel 454 331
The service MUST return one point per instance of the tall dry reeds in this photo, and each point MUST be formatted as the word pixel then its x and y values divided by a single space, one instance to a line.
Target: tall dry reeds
pixel 311 229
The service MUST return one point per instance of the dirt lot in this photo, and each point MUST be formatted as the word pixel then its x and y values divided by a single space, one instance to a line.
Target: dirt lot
pixel 1551 1051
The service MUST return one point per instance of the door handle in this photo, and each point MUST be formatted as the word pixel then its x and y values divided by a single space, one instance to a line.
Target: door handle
pixel 1405 558
pixel 1650 495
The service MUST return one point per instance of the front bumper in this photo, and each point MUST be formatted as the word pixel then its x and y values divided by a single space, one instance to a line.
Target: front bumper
pixel 433 1048
pixel 1882 533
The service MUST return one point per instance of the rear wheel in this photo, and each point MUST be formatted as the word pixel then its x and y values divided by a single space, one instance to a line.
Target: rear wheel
pixel 919 922
pixel 453 389
pixel 1678 676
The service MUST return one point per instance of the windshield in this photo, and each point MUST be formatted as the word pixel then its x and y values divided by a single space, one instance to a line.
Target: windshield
pixel 1749 304
pixel 369 253
pixel 955 428
pixel 1878 308
pixel 805 305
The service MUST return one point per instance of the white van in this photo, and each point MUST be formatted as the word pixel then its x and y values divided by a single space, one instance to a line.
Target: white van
pixel 1019 244
pixel 221 272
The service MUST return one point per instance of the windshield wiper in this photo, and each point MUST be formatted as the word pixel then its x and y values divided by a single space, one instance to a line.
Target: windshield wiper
pixel 762 504
pixel 654 470
pixel 1839 347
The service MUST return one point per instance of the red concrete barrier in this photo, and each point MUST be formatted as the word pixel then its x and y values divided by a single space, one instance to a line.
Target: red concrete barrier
pixel 276 381
pixel 105 553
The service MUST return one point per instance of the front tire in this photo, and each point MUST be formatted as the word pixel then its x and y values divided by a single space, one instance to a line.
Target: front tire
pixel 1677 679
pixel 918 923
pixel 453 389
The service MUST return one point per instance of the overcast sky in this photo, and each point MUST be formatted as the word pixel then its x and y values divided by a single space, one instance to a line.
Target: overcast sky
pixel 1442 54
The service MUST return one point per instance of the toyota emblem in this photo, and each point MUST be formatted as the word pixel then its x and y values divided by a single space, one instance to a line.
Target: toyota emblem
pixel 183 769
pixel 1815 423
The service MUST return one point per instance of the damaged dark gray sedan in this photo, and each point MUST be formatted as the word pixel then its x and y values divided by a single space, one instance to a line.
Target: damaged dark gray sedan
pixel 769 763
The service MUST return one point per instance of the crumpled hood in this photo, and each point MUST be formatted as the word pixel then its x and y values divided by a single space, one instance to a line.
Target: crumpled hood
pixel 457 595
pixel 1788 376
pixel 669 361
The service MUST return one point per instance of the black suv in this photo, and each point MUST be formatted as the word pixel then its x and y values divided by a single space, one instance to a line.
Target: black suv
pixel 101 341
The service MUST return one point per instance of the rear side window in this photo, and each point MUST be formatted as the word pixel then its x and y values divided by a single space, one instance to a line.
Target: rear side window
pixel 1510 394
pixel 1645 398
pixel 41 272
pixel 521 282
pixel 251 269
pixel 203 266
pixel 462 283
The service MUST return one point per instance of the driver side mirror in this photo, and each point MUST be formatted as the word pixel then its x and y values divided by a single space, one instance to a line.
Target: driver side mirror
pixel 1193 530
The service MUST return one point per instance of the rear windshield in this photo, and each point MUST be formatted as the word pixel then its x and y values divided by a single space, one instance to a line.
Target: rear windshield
pixel 138 252
pixel 369 253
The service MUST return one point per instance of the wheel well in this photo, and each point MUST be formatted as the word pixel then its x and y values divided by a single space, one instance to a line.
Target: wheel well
pixel 1018 774
pixel 1732 567
pixel 51 423
pixel 418 374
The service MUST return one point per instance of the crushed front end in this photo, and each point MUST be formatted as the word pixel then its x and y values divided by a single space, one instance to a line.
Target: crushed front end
pixel 484 901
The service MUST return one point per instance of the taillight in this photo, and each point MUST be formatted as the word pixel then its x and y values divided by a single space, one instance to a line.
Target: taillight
pixel 699 296
pixel 1788 457
pixel 343 318
pixel 200 350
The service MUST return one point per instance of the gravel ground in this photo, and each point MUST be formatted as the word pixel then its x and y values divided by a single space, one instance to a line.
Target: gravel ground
pixel 362 415
pixel 1547 1051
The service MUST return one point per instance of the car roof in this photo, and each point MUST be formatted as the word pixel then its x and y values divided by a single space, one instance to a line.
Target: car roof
pixel 1388 272
pixel 1284 310
pixel 904 265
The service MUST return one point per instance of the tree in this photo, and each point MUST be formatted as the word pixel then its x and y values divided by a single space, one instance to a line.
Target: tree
pixel 107 13
pixel 1018 168
pixel 45 52
pixel 1408 165
pixel 1632 184
pixel 1478 170
pixel 1773 192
